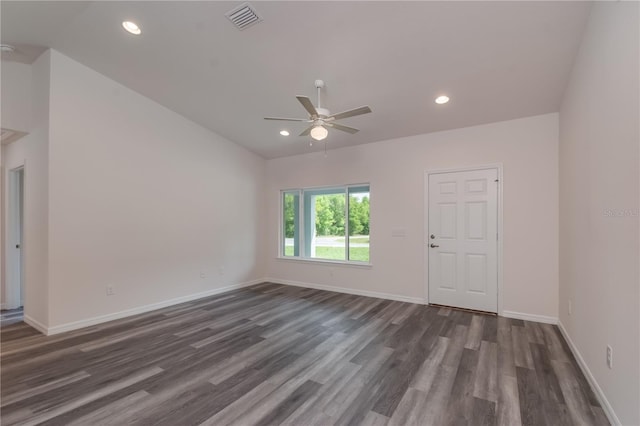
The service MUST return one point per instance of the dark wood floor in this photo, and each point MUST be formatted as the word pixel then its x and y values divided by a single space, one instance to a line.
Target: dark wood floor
pixel 10 316
pixel 272 354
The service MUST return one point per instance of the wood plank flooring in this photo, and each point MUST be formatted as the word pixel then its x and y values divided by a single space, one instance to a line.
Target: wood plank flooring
pixel 10 316
pixel 272 354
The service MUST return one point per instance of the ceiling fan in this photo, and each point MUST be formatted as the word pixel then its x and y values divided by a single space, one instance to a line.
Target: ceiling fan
pixel 321 119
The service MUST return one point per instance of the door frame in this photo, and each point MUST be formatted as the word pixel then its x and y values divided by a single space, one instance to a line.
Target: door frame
pixel 14 297
pixel 427 173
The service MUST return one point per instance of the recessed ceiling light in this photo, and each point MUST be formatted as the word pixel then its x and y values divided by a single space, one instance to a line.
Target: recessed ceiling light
pixel 7 48
pixel 132 27
pixel 442 99
pixel 284 133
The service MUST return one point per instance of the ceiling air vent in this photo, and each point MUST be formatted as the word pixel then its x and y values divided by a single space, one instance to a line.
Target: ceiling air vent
pixel 243 16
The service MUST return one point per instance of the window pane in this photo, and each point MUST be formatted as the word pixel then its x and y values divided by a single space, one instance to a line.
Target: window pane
pixel 326 223
pixel 325 219
pixel 359 224
pixel 290 226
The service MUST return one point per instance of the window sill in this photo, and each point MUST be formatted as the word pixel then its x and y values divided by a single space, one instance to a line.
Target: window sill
pixel 363 265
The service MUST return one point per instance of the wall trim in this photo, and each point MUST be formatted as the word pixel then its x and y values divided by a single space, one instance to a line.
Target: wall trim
pixel 138 310
pixel 530 317
pixel 606 406
pixel 35 324
pixel 418 300
pixel 378 295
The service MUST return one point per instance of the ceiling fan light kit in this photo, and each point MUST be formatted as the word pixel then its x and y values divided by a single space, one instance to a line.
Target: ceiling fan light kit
pixel 319 133
pixel 321 118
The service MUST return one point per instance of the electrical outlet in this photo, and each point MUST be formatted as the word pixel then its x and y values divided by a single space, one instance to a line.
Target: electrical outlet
pixel 110 291
pixel 570 310
pixel 203 275
pixel 609 357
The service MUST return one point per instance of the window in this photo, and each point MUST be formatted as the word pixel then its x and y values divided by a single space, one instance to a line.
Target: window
pixel 326 223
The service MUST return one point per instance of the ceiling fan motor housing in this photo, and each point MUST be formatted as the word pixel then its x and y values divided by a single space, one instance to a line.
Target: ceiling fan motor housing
pixel 323 112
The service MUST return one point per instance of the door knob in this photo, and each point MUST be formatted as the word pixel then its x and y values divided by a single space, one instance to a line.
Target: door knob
pixel 17 246
pixel 433 237
pixel 434 245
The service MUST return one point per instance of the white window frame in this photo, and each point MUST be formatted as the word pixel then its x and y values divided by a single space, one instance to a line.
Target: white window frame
pixel 303 256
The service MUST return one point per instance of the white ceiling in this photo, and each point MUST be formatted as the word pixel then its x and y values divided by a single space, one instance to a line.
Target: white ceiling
pixel 496 60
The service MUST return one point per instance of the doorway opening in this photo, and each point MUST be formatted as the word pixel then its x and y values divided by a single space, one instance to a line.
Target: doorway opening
pixel 13 302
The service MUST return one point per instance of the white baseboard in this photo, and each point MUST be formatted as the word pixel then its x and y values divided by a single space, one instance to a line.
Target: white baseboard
pixel 418 300
pixel 530 317
pixel 388 296
pixel 35 324
pixel 606 406
pixel 139 310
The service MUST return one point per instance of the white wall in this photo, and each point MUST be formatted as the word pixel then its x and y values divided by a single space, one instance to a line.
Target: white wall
pixel 141 199
pixel 32 152
pixel 15 114
pixel 15 109
pixel 36 210
pixel 599 171
pixel 528 149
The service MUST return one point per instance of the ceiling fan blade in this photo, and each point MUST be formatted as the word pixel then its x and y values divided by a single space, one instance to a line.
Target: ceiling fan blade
pixel 343 128
pixel 286 119
pixel 351 113
pixel 307 131
pixel 306 103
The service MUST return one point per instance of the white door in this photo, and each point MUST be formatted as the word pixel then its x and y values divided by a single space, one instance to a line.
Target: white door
pixel 462 239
